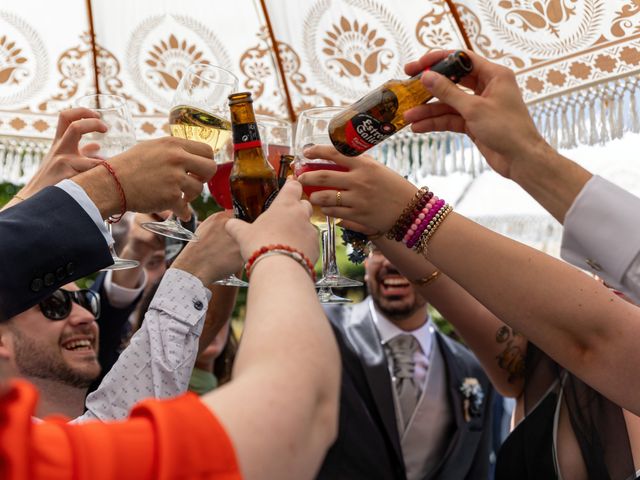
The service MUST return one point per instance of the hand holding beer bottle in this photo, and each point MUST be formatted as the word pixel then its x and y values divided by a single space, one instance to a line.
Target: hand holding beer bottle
pixel 379 114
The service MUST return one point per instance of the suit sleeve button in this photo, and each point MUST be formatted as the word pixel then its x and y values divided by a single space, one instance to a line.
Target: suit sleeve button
pixel 49 279
pixel 36 285
pixel 61 273
pixel 70 268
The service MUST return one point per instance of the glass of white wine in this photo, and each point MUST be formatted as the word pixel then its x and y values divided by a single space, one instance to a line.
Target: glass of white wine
pixel 199 112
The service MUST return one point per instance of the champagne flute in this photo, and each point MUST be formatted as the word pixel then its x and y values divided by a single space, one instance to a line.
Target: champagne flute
pixel 312 129
pixel 200 112
pixel 119 137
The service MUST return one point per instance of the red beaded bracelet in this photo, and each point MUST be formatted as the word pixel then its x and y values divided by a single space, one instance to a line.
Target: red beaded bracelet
pixel 123 198
pixel 291 252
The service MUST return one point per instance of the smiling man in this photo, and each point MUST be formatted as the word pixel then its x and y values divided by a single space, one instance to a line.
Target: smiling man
pixel 414 403
pixel 54 345
pixel 56 353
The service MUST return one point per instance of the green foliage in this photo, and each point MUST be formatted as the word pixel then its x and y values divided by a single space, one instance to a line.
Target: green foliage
pixel 7 190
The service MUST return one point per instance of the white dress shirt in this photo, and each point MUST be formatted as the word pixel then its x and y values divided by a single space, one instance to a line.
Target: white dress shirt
pixel 425 335
pixel 602 235
pixel 76 192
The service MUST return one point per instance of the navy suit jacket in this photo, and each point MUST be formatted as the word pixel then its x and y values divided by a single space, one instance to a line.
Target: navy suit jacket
pixel 368 444
pixel 45 242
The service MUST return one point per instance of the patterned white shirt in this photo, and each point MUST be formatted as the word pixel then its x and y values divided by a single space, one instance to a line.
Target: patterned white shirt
pixel 161 355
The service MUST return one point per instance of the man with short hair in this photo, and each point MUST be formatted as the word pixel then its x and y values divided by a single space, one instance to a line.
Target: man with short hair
pixel 54 345
pixel 415 404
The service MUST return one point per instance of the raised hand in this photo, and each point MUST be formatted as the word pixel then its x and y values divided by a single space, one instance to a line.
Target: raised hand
pixel 285 222
pixel 162 174
pixel 372 195
pixel 215 256
pixel 65 159
pixel 494 115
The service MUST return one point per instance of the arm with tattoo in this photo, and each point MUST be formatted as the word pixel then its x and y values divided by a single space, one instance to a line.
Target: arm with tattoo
pixel 511 359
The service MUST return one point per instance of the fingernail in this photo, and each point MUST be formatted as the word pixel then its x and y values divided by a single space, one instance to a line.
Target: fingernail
pixel 429 79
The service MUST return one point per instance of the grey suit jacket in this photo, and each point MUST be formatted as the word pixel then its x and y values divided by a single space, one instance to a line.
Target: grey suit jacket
pixel 368 444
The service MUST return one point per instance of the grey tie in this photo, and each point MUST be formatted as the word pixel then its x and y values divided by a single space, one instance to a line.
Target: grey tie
pixel 402 349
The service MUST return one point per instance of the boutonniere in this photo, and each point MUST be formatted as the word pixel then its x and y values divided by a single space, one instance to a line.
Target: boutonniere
pixel 359 245
pixel 473 397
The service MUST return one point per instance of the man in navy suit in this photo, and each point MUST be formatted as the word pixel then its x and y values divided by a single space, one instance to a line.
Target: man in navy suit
pixel 57 235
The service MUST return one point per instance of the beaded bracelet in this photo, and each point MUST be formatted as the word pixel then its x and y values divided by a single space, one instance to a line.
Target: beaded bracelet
pixel 279 249
pixel 123 198
pixel 419 220
pixel 421 245
pixel 425 218
pixel 405 219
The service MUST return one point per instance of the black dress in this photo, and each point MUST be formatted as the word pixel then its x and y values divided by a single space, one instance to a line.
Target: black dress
pixel 598 425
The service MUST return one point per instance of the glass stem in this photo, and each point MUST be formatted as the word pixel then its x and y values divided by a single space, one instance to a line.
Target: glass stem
pixel 112 247
pixel 332 264
pixel 324 291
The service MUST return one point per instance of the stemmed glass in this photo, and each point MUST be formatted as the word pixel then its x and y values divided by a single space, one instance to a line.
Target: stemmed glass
pixel 277 136
pixel 312 130
pixel 200 112
pixel 120 136
pixel 325 294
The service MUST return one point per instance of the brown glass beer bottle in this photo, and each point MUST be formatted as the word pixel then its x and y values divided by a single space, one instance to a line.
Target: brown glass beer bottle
pixel 286 169
pixel 252 180
pixel 379 114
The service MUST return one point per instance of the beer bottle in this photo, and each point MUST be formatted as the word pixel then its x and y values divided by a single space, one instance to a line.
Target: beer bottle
pixel 286 169
pixel 252 180
pixel 379 114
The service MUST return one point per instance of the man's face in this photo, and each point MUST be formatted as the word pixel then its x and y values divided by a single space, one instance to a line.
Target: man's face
pixel 392 293
pixel 61 350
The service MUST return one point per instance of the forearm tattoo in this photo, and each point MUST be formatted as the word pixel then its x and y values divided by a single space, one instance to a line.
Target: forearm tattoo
pixel 511 358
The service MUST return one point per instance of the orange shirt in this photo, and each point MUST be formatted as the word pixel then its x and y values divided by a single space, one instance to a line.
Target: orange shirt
pixel 163 439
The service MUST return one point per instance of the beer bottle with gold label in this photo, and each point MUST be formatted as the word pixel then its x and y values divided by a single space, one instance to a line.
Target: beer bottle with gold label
pixel 379 114
pixel 252 180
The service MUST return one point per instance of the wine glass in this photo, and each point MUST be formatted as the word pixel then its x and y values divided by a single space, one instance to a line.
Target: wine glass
pixel 312 130
pixel 200 112
pixel 325 293
pixel 120 136
pixel 277 136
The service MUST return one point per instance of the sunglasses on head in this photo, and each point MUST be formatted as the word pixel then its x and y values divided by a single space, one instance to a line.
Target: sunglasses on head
pixel 58 305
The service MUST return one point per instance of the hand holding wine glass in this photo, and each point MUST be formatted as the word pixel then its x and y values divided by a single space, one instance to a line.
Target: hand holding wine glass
pixel 200 112
pixel 105 144
pixel 312 130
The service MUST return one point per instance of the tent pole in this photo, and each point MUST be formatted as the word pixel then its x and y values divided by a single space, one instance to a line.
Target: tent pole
pixel 276 51
pixel 458 20
pixel 92 34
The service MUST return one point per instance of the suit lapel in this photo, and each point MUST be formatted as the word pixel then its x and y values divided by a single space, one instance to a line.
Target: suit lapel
pixel 462 447
pixel 362 334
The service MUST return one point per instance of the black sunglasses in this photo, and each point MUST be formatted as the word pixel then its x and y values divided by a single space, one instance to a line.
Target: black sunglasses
pixel 58 305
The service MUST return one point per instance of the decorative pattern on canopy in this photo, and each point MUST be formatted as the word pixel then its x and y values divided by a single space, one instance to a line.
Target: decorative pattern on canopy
pixel 577 62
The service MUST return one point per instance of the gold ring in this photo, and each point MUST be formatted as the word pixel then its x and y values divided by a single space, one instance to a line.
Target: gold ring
pixel 338 198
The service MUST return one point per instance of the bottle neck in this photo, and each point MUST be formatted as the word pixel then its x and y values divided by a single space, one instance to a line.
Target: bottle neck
pixel 246 136
pixel 244 127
